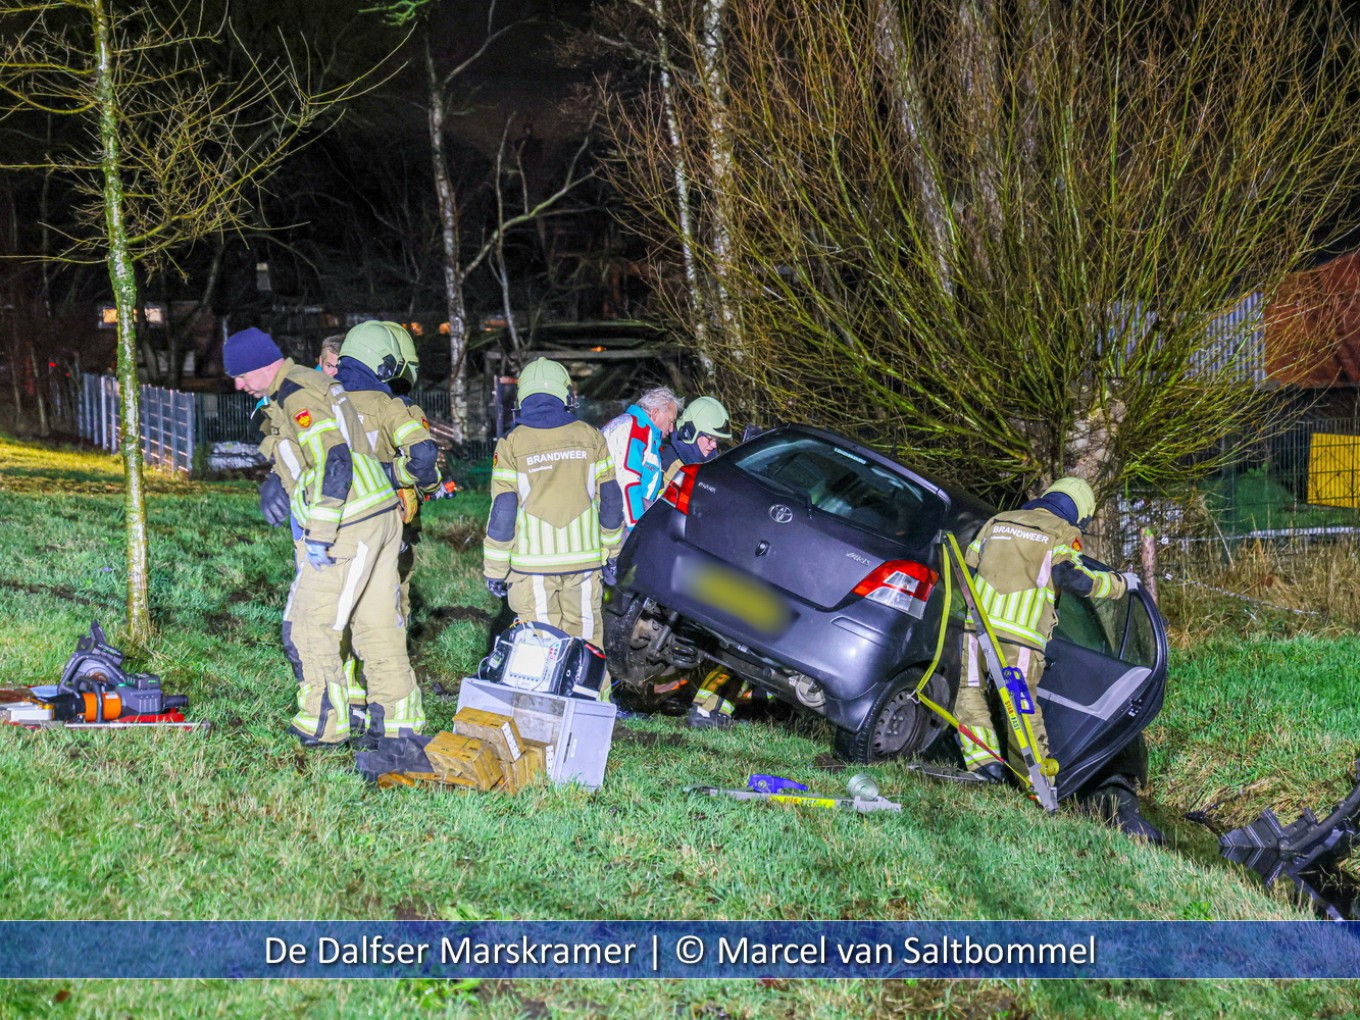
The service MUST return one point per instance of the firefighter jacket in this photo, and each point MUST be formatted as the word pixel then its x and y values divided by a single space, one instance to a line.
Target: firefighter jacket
pixel 1020 558
pixel 321 453
pixel 635 446
pixel 555 506
pixel 396 429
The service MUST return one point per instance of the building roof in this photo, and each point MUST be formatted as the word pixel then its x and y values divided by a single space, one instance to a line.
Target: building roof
pixel 1313 327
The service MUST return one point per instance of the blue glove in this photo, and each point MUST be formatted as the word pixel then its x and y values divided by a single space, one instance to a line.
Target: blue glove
pixel 611 572
pixel 274 506
pixel 497 586
pixel 318 555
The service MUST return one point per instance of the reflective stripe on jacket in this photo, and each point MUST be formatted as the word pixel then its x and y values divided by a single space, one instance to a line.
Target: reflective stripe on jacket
pixel 316 441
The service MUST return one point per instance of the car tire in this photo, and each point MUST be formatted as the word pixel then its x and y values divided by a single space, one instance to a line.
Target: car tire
pixel 896 725
pixel 633 681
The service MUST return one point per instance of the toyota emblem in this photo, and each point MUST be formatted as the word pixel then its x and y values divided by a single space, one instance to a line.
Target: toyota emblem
pixel 781 514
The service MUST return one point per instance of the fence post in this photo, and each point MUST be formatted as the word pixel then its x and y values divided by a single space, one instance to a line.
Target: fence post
pixel 1149 556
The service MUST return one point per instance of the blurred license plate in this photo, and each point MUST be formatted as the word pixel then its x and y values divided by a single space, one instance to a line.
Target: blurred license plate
pixel 749 600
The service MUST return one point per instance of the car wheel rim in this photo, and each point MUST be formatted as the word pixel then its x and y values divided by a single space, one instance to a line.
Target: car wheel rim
pixel 896 725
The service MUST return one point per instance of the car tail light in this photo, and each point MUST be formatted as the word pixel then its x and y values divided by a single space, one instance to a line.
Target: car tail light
pixel 902 584
pixel 682 485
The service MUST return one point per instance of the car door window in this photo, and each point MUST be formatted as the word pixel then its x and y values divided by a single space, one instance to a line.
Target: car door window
pixel 1140 648
pixel 1098 626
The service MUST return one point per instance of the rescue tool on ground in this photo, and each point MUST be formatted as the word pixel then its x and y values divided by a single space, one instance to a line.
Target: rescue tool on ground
pixel 1303 850
pixel 863 799
pixel 96 693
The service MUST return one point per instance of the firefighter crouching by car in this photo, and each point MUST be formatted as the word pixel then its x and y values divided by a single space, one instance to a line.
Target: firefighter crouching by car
pixel 371 356
pixel 695 437
pixel 346 558
pixel 556 512
pixel 700 426
pixel 1019 559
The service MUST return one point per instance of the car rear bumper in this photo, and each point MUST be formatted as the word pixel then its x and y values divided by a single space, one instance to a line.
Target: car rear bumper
pixel 849 650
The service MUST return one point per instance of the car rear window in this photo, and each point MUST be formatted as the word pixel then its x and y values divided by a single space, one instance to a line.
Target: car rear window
pixel 842 483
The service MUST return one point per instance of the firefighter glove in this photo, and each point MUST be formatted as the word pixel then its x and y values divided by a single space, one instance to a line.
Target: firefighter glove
pixel 274 506
pixel 497 586
pixel 1132 581
pixel 318 555
pixel 446 489
pixel 410 504
pixel 611 572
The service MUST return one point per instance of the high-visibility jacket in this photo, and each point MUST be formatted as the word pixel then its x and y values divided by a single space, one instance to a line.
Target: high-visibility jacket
pixel 1019 559
pixel 316 441
pixel 396 430
pixel 551 479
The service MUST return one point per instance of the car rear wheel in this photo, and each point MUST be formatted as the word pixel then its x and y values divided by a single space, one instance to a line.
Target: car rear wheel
pixel 896 725
pixel 629 630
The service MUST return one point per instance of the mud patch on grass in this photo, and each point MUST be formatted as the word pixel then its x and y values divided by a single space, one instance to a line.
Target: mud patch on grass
pixel 451 614
pixel 59 592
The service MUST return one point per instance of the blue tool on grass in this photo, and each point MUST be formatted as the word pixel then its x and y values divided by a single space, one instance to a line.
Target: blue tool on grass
pixel 772 784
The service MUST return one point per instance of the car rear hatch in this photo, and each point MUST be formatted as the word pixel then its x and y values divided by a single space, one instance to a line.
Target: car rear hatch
pixel 810 517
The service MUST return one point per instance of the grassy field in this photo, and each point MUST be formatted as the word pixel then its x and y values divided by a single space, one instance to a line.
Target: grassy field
pixel 240 823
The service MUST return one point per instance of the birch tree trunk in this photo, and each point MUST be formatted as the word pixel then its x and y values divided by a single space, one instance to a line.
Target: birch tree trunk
pixel 720 165
pixel 453 273
pixel 684 208
pixel 124 282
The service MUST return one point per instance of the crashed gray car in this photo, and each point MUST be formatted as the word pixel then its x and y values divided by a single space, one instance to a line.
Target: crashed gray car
pixel 810 565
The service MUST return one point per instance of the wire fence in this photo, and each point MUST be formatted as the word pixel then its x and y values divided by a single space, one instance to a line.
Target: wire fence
pixel 1292 492
pixel 169 422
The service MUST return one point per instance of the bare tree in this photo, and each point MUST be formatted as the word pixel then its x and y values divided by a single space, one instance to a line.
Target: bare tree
pixel 464 250
pixel 163 152
pixel 1012 240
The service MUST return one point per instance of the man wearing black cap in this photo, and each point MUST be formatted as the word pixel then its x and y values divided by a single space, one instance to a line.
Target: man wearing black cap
pixel 341 502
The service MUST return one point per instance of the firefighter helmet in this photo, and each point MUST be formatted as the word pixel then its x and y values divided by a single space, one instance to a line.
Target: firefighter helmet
pixel 704 416
pixel 543 375
pixel 373 344
pixel 1079 492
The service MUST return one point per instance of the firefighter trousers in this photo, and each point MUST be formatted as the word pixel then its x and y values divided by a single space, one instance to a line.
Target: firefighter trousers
pixel 359 591
pixel 569 602
pixel 971 707
pixel 354 667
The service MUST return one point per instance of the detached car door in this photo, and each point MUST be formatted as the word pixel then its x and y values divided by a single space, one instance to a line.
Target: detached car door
pixel 1104 680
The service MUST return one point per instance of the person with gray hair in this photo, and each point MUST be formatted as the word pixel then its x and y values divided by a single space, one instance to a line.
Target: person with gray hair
pixel 634 439
pixel 328 361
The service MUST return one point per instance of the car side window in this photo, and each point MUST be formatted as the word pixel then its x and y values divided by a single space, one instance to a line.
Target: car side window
pixel 1098 626
pixel 1141 646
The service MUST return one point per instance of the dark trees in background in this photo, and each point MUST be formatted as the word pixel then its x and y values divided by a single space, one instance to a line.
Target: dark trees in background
pixel 1003 238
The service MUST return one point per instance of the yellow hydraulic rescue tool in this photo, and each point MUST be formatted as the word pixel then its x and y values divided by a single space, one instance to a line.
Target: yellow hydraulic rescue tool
pixel 1009 682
